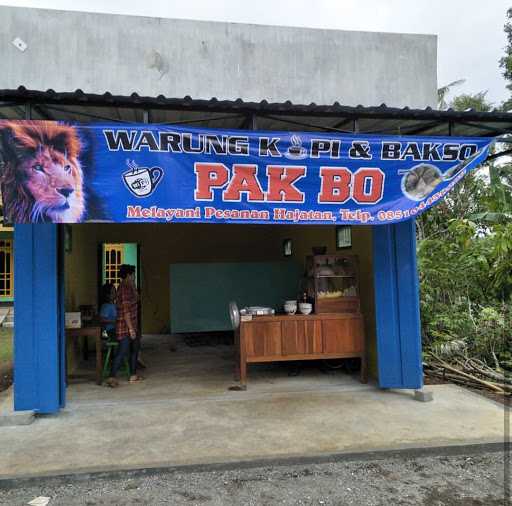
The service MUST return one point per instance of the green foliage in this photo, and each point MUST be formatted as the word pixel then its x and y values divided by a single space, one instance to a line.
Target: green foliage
pixel 442 93
pixel 501 258
pixel 466 286
pixel 465 261
pixel 506 61
pixel 5 348
pixel 498 199
pixel 468 101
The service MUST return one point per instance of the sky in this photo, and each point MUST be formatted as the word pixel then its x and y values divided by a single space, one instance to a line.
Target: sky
pixel 470 32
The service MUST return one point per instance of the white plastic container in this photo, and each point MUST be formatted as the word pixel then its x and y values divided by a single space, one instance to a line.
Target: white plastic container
pixel 290 307
pixel 73 320
pixel 305 307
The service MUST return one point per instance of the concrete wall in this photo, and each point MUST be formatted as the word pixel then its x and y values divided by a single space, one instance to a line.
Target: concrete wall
pixel 151 56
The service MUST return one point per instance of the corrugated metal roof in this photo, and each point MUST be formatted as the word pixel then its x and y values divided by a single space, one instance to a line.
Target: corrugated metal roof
pixel 272 116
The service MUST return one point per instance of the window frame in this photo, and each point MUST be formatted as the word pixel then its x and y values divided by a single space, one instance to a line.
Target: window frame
pixel 7 268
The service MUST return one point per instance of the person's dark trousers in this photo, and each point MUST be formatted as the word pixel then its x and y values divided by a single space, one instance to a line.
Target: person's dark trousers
pixel 128 348
pixel 134 355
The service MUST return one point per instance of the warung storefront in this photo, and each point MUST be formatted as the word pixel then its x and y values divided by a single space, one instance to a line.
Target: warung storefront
pixel 298 246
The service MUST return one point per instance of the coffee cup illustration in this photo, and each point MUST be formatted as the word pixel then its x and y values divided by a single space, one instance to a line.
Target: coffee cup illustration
pixel 142 181
pixel 296 151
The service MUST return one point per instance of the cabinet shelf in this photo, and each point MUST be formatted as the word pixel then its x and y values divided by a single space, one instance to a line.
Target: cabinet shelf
pixel 344 297
pixel 331 276
pixel 344 279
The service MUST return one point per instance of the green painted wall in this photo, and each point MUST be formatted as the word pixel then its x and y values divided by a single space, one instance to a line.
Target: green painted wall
pixel 201 292
pixel 130 256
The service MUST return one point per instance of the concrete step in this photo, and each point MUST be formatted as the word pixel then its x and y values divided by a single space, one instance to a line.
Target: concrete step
pixel 4 313
pixel 7 317
pixel 9 417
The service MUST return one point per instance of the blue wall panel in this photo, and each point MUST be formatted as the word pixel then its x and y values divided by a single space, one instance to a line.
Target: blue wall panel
pixel 61 344
pixel 38 333
pixel 408 292
pixel 25 350
pixel 397 306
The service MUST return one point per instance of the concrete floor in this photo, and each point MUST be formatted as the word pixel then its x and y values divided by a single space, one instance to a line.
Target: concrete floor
pixel 184 414
pixel 201 372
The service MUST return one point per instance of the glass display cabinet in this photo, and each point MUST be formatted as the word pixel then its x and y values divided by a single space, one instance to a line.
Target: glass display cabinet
pixel 332 282
pixel 334 330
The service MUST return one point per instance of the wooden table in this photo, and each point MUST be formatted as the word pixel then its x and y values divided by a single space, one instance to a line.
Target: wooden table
pixel 300 337
pixel 90 331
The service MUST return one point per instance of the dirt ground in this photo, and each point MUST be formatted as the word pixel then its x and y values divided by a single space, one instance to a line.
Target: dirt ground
pixel 469 480
pixel 5 377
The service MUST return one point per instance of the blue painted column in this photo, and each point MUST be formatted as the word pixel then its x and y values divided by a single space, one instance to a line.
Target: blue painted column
pixel 39 327
pixel 397 306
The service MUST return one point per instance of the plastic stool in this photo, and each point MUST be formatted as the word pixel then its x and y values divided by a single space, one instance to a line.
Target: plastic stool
pixel 107 363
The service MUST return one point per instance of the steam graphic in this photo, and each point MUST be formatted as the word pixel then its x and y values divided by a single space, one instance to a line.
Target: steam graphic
pixel 296 141
pixel 296 151
pixel 132 164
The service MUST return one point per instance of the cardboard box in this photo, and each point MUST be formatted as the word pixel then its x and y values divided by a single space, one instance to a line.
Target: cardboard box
pixel 73 320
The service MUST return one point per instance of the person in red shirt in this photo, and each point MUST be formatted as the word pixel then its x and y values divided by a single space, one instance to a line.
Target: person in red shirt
pixel 126 326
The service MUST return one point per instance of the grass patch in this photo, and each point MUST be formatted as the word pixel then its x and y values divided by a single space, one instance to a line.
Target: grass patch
pixel 5 346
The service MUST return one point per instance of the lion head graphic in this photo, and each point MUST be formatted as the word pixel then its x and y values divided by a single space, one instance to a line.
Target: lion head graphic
pixel 40 172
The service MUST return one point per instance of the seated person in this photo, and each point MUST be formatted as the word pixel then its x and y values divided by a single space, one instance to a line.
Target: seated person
pixel 108 310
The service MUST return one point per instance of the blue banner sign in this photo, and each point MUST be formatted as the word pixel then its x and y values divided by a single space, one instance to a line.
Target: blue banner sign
pixel 63 173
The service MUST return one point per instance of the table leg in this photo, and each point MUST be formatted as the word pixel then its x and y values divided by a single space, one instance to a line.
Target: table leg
pixel 238 356
pixel 85 348
pixel 76 348
pixel 99 359
pixel 243 373
pixel 364 369
pixel 241 358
